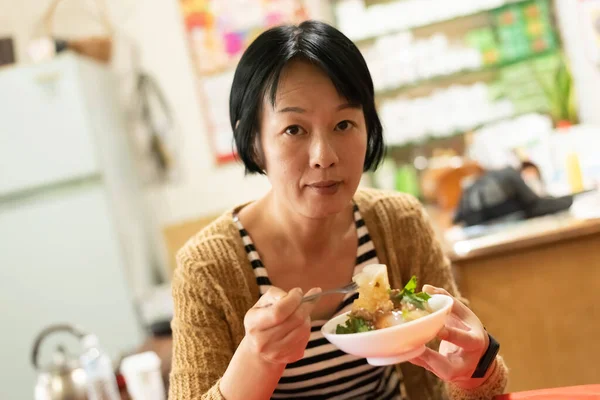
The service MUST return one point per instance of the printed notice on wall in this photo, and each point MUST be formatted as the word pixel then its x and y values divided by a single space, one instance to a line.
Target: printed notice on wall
pixel 218 32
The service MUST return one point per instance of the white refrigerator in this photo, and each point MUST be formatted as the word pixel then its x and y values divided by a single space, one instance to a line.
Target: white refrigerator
pixel 73 235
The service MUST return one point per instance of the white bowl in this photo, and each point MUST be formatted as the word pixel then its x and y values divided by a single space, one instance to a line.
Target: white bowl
pixel 395 344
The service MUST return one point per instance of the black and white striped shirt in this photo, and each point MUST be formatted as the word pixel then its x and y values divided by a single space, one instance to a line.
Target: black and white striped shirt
pixel 325 372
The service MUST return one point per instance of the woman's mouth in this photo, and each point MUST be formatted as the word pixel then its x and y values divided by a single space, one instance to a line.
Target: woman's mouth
pixel 325 187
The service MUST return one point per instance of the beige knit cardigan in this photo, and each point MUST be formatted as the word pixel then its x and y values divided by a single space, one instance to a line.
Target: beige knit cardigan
pixel 214 286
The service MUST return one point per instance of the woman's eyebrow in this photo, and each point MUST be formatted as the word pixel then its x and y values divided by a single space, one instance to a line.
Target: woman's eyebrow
pixel 292 109
pixel 302 110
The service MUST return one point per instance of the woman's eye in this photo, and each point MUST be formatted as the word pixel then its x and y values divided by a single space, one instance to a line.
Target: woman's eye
pixel 344 125
pixel 293 130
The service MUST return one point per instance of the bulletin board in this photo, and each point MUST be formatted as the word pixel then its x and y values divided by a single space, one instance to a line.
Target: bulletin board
pixel 218 32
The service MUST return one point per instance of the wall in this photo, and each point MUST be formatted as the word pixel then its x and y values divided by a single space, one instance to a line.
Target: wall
pixel 203 187
pixel 156 26
pixel 585 73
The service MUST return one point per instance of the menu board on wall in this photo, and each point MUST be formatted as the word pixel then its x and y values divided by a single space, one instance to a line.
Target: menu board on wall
pixel 218 33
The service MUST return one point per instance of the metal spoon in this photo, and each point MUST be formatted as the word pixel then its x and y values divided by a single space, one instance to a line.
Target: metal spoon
pixel 349 288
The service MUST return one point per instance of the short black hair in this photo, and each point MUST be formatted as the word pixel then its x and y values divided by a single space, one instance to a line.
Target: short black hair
pixel 529 164
pixel 260 67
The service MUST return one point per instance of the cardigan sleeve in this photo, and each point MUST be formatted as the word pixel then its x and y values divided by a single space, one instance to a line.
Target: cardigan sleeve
pixel 435 269
pixel 202 343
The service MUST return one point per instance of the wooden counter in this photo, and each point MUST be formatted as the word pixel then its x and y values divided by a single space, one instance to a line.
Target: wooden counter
pixel 536 288
pixel 526 234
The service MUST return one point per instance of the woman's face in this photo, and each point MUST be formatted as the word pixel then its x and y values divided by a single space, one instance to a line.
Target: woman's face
pixel 313 142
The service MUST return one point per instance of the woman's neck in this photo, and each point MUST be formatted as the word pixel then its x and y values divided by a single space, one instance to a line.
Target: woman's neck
pixel 308 236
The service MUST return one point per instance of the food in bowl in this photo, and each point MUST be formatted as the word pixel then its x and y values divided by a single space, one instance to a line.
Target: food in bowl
pixel 378 306
pixel 359 331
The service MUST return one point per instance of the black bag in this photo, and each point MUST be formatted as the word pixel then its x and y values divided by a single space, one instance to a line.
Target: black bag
pixel 501 193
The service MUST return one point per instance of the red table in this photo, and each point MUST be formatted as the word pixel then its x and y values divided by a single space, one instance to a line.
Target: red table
pixel 587 392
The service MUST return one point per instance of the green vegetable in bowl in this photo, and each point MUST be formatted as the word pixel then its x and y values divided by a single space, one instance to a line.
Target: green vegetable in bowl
pixel 354 325
pixel 407 306
pixel 408 295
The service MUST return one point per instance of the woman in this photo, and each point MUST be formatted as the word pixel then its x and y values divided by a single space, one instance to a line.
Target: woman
pixel 303 113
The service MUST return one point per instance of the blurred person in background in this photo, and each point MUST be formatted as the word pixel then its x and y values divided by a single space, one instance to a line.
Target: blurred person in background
pixel 533 177
pixel 303 113
pixel 507 194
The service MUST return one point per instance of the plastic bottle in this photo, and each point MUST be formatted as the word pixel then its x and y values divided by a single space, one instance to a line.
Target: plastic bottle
pixel 101 379
pixel 143 376
pixel 574 174
pixel 572 163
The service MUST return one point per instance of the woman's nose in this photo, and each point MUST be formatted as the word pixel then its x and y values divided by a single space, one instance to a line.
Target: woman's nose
pixel 323 153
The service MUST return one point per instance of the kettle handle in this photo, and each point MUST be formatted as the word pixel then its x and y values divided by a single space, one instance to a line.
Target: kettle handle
pixel 76 331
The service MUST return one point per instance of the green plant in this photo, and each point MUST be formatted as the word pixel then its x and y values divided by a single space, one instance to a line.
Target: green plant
pixel 559 92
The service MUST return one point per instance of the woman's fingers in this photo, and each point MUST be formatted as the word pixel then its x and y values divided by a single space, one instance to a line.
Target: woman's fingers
pixel 463 341
pixel 436 363
pixel 468 340
pixel 435 290
pixel 293 344
pixel 277 340
pixel 286 306
pixel 455 322
pixel 272 296
pixel 295 320
pixel 278 332
pixel 264 317
pixel 276 306
pixel 458 308
pixel 420 363
pixel 462 326
pixel 285 341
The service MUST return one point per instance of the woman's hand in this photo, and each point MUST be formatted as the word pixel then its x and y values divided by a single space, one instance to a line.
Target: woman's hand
pixel 277 331
pixel 464 341
pixel 278 326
